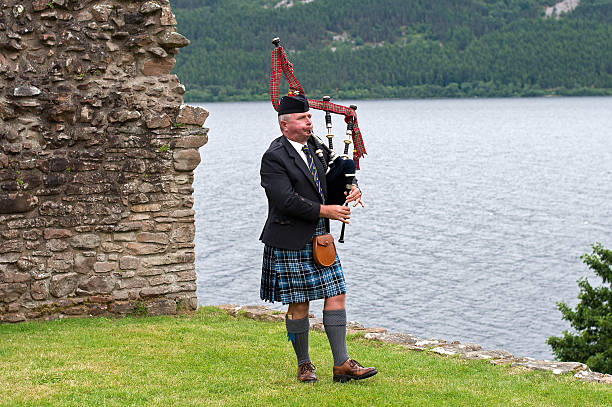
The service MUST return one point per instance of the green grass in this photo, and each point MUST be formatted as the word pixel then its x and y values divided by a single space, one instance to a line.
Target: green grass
pixel 212 359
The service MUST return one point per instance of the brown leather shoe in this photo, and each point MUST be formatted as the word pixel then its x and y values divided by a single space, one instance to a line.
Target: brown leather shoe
pixel 351 369
pixel 305 373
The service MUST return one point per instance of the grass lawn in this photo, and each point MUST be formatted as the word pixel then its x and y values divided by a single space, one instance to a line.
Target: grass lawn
pixel 212 359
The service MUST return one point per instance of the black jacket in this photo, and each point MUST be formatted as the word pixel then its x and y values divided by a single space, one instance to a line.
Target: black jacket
pixel 293 199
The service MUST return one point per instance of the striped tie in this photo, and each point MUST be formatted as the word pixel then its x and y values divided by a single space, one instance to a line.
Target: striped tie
pixel 313 170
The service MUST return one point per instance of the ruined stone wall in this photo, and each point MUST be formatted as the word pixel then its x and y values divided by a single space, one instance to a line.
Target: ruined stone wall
pixel 97 155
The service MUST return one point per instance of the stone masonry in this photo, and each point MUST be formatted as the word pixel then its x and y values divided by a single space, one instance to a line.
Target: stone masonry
pixel 97 153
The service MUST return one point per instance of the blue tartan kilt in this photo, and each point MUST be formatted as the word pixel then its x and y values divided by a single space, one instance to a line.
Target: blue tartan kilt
pixel 291 276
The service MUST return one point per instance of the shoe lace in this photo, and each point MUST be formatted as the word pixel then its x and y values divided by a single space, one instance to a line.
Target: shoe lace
pixel 354 363
pixel 307 367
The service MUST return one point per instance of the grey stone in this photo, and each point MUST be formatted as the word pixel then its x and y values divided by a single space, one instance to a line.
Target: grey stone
pixel 186 160
pixel 191 141
pixel 98 285
pixel 105 266
pixel 63 284
pixel 161 307
pixel 157 120
pixel 57 245
pixel 158 66
pixel 25 91
pixel 129 263
pixel 17 203
pixel 84 265
pixel 192 115
pixel 172 39
pixel 88 241
pixel 39 290
pixel 101 12
pixel 149 7
pixel 148 237
pixel 145 248
pixel 158 52
pixel 183 234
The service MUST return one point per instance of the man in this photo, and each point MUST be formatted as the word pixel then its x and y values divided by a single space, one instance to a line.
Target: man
pixel 294 181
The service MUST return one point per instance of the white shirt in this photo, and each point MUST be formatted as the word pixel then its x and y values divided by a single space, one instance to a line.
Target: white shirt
pixel 298 147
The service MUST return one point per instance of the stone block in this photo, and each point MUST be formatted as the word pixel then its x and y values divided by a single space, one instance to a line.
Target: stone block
pixel 153 207
pixel 190 142
pixel 192 115
pixel 164 279
pixel 171 258
pixel 26 263
pixel 11 246
pixel 51 233
pixel 84 265
pixel 17 203
pixel 110 247
pixel 183 234
pixel 124 237
pixel 158 66
pixel 140 249
pixel 9 257
pixel 147 237
pixel 10 292
pixel 157 120
pixel 105 266
pixel 26 91
pixel 149 7
pixel 150 272
pixel 101 12
pixel 63 284
pixel 161 307
pixel 57 245
pixel 32 234
pixel 172 39
pixel 158 290
pixel 14 277
pixel 87 241
pixel 167 17
pixel 19 317
pixel 189 275
pixel 186 160
pixel 39 5
pixel 129 263
pixel 98 285
pixel 39 290
pixel 55 265
pixel 135 282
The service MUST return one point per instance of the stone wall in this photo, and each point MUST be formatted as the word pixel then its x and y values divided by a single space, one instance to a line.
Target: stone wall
pixel 97 153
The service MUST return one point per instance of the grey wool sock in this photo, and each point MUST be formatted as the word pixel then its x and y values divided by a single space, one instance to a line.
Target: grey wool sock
pixel 335 328
pixel 297 332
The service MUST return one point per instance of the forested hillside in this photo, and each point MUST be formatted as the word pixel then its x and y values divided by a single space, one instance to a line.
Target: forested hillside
pixel 396 48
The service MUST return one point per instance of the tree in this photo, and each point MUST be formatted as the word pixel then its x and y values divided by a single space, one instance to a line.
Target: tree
pixel 592 318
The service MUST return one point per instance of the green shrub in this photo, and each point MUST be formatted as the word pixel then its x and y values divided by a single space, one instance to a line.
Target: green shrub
pixel 592 318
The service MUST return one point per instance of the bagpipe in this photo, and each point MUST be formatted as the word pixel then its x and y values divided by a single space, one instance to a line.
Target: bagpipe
pixel 340 169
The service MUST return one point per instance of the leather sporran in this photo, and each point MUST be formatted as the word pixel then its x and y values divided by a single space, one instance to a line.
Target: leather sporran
pixel 324 250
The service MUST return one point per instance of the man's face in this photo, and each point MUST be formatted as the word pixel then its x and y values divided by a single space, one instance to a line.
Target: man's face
pixel 298 128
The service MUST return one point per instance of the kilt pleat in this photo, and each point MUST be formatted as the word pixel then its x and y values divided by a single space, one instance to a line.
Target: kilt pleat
pixel 291 276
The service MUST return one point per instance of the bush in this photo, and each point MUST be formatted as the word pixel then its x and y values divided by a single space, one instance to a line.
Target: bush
pixel 592 318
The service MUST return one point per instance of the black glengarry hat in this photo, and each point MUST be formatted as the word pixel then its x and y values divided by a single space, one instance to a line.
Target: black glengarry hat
pixel 294 103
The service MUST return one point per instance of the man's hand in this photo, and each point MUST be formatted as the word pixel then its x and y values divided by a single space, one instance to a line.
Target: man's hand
pixel 354 196
pixel 336 212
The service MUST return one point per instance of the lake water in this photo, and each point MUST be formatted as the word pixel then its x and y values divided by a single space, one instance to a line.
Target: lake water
pixel 477 212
